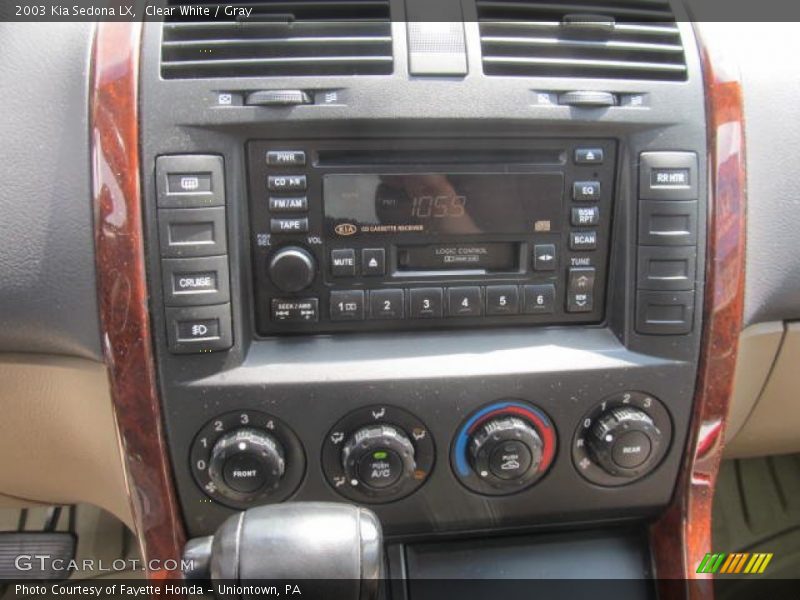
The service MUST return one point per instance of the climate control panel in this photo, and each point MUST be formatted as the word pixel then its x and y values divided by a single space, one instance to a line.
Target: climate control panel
pixel 381 454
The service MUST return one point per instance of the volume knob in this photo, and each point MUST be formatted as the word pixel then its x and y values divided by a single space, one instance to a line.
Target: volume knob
pixel 292 269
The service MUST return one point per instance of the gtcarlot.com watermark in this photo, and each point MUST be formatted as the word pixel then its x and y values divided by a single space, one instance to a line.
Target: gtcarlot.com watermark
pixel 44 563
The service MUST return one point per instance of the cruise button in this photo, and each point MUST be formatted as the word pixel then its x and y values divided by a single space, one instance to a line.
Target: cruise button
pixel 288 225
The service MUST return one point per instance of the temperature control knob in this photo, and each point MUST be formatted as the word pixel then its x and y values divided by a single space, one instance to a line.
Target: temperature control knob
pixel 624 441
pixel 292 269
pixel 506 449
pixel 246 463
pixel 379 457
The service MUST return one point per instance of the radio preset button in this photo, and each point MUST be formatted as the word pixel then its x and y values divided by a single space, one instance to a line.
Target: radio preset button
pixel 287 183
pixel 347 305
pixel 544 257
pixel 426 303
pixel 539 299
pixel 288 204
pixel 585 216
pixel 343 262
pixel 386 304
pixel 373 261
pixel 502 300
pixel 286 158
pixel 589 156
pixel 583 240
pixel 464 302
pixel 288 225
pixel 295 310
pixel 586 191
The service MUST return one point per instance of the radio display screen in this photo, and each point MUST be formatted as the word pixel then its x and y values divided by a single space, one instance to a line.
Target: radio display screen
pixel 443 204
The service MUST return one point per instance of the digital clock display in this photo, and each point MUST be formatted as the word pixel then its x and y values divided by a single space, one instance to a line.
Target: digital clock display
pixel 435 203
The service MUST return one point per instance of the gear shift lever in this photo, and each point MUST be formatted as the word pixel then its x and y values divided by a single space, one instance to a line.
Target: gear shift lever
pixel 331 550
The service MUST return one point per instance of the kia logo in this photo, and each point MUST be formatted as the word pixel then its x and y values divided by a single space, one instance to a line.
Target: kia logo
pixel 345 229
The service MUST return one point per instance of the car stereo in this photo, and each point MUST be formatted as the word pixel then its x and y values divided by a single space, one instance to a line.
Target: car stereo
pixel 404 234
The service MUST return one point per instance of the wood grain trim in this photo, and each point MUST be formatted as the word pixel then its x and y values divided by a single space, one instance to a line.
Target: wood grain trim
pixel 122 291
pixel 682 537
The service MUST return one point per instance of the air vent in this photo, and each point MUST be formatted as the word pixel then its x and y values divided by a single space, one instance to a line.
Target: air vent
pixel 620 39
pixel 276 38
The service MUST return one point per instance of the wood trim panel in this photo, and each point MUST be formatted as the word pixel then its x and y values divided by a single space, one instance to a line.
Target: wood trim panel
pixel 122 290
pixel 682 537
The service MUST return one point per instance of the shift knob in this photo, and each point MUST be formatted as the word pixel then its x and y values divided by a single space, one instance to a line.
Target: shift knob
pixel 332 550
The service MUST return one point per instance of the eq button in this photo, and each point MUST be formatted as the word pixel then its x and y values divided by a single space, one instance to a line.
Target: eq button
pixel 586 191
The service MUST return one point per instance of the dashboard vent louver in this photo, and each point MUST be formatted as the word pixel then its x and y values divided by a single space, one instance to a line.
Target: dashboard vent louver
pixel 278 38
pixel 618 39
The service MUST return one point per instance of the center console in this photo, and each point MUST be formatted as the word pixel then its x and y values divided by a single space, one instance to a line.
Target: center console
pixel 465 300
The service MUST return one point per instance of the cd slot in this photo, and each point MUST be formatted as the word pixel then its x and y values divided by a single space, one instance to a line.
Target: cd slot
pixel 514 156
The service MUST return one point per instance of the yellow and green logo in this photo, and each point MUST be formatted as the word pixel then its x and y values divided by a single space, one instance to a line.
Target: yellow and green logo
pixel 737 562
